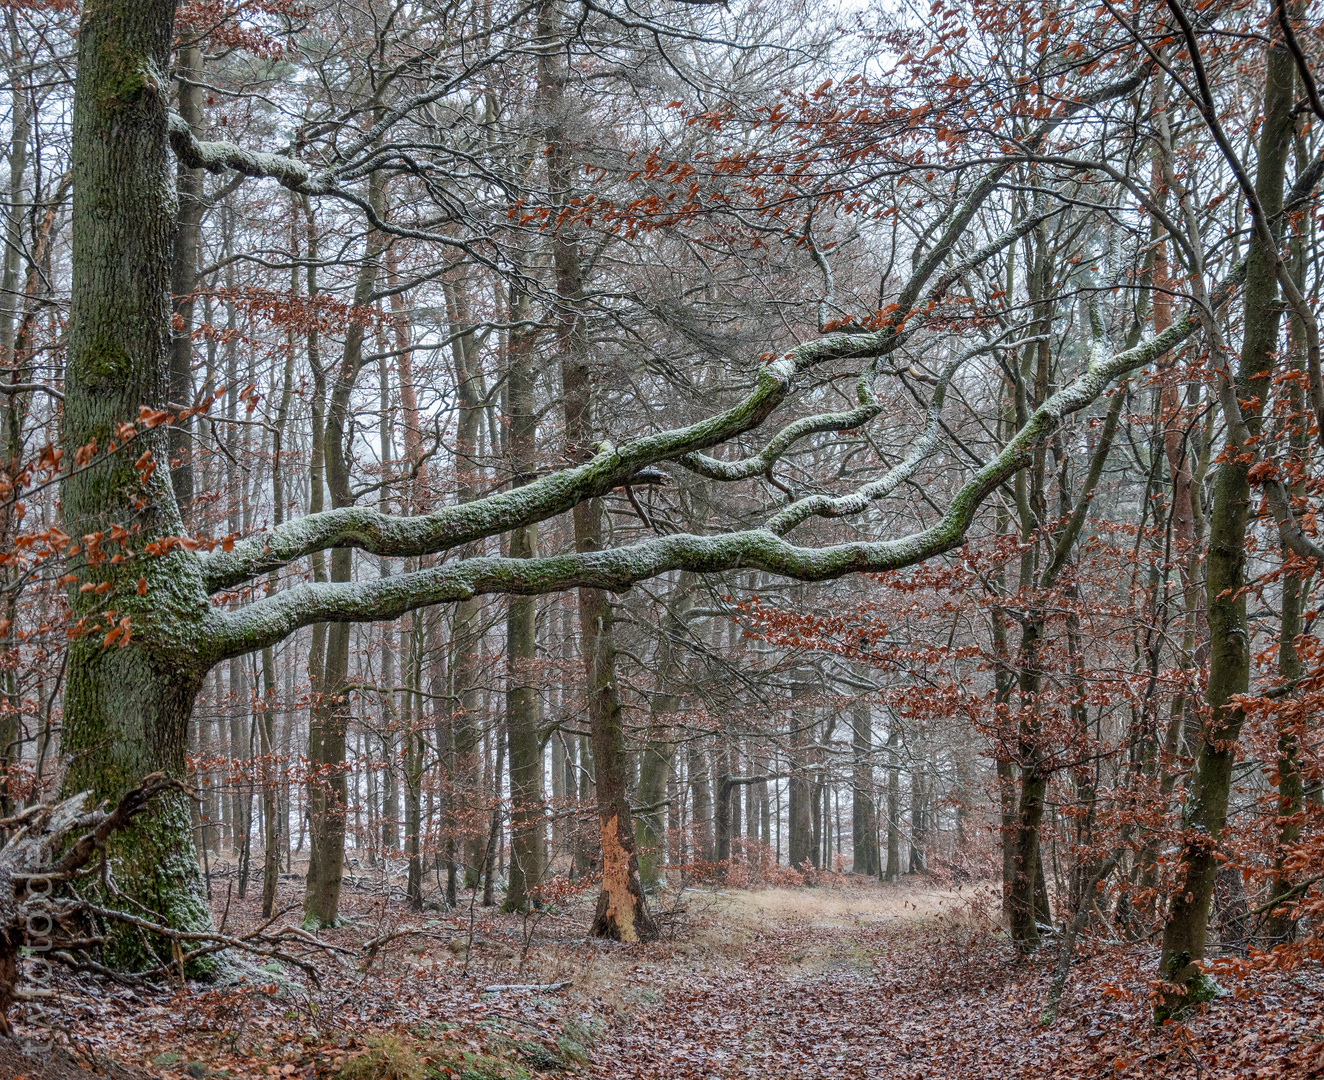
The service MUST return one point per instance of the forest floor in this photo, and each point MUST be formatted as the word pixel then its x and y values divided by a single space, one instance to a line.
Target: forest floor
pixel 847 979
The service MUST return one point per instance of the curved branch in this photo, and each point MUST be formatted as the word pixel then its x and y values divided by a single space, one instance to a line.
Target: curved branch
pixel 383 535
pixel 869 407
pixel 858 501
pixel 219 157
pixel 610 467
pixel 273 618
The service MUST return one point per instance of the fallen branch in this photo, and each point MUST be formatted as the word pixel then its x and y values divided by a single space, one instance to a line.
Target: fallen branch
pixel 531 988
pixel 54 842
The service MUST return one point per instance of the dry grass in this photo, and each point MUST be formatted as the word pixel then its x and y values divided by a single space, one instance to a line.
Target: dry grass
pixel 851 901
pixel 387 1058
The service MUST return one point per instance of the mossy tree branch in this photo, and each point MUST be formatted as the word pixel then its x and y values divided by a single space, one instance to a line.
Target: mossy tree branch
pixel 273 618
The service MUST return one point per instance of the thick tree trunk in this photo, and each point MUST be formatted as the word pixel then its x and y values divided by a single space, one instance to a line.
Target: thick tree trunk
pixel 1229 672
pixel 722 818
pixel 893 869
pixel 128 701
pixel 802 850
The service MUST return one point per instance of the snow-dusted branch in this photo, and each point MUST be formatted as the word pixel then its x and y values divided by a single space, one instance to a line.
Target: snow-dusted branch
pixel 610 467
pixel 219 157
pixel 900 327
pixel 861 499
pixel 267 621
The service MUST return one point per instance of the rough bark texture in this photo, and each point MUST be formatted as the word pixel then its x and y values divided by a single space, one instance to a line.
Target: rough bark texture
pixel 528 845
pixel 127 706
pixel 1229 672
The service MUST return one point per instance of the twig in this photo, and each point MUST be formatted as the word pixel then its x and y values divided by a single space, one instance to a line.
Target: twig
pixel 532 988
pixel 1299 889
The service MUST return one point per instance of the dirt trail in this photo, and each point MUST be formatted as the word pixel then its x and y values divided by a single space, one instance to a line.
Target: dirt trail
pixel 905 982
pixel 851 979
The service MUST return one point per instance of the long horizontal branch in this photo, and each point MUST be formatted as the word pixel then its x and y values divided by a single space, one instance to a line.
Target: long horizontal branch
pixel 218 157
pixel 385 535
pixel 270 620
pixel 610 467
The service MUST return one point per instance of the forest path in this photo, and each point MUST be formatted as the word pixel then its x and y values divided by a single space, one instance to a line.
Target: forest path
pixel 906 982
pixel 847 980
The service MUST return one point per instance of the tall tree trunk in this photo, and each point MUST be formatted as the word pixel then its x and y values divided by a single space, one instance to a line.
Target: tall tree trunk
pixel 492 849
pixel 1229 672
pixel 919 805
pixel 127 706
pixel 864 816
pixel 13 410
pixel 1034 787
pixel 183 274
pixel 272 816
pixel 413 726
pixel 801 849
pixel 893 870
pixel 701 802
pixel 468 823
pixel 655 764
pixel 1280 926
pixel 622 912
pixel 328 788
pixel 528 844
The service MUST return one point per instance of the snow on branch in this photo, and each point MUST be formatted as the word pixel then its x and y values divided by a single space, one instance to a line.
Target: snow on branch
pixel 267 621
pixel 219 157
pixel 611 467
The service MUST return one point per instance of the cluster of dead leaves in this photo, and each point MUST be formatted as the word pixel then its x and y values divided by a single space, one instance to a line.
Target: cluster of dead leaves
pixel 859 981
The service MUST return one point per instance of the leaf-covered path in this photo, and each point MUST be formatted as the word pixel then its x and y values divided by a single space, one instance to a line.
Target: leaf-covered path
pixel 928 992
pixel 847 980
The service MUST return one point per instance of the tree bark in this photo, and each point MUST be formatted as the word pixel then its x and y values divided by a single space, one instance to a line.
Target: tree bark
pixel 864 815
pixel 655 764
pixel 128 701
pixel 1229 672
pixel 622 912
pixel 328 789
pixel 1280 926
pixel 528 844
pixel 468 823
pixel 183 275
pixel 801 848
pixel 893 869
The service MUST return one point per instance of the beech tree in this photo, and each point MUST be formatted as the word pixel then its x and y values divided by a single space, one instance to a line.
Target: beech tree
pixel 1047 211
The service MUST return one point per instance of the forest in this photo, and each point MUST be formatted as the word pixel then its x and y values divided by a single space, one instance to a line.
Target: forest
pixel 661 538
